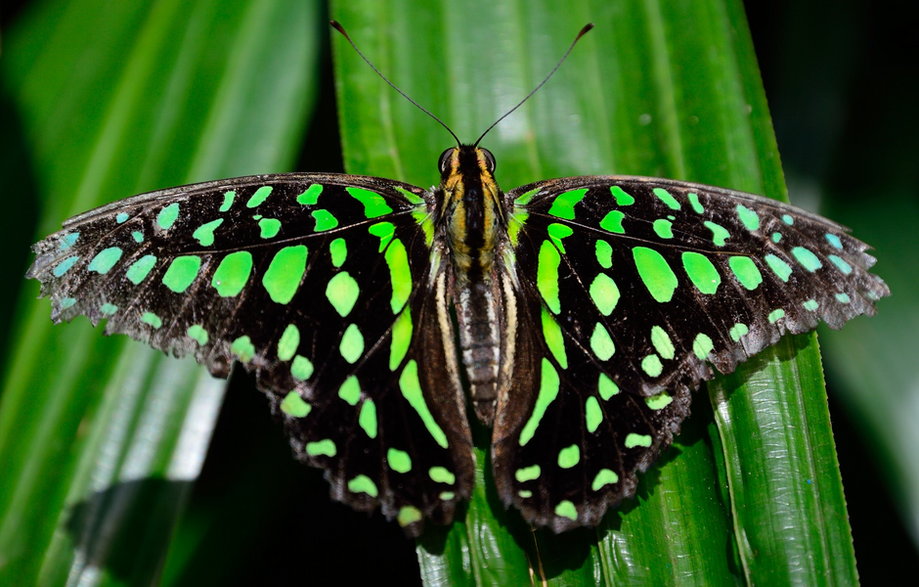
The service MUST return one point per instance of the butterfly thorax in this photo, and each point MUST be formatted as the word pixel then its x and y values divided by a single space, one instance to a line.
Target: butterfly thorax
pixel 473 219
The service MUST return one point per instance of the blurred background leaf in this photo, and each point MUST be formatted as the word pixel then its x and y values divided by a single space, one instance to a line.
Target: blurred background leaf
pixel 101 100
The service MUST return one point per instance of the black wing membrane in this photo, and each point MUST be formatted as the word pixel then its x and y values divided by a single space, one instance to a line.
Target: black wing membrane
pixel 310 281
pixel 630 290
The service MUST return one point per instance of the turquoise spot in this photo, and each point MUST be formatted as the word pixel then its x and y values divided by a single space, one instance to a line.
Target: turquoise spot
pixel 622 197
pixel 778 266
pixel 228 198
pixel 324 448
pixel 140 269
pixel 606 387
pixel 66 303
pixel 661 342
pixel 260 195
pixel 151 319
pixel 399 460
pixel 367 419
pixel 564 203
pixel 182 272
pixel 350 390
pixel 105 259
pixel 601 343
pixel 547 275
pixel 108 309
pixel 301 368
pixel 738 330
pixel 663 228
pixel 566 509
pixel 776 237
pixel 840 264
pixel 342 292
pixel 121 218
pixel 374 204
pixel 338 249
pixel 605 293
pixel 569 456
pixel 776 315
pixel 441 475
pixel 167 216
pixel 232 273
pixel 68 240
pixel 548 391
pixel 197 333
pixel 204 234
pixel 294 406
pixel 310 195
pixel 325 220
pixel 604 253
pixel 667 198
pixel 655 273
pixel 720 234
pixel 748 217
pixel 843 298
pixel 701 272
pixel 282 278
pixel 593 414
pixel 269 227
pixel 811 305
pixel 363 484
pixel 807 258
pixel 411 391
pixel 694 202
pixel 552 333
pixel 632 440
pixel 652 365
pixel 745 271
pixel 65 266
pixel 352 344
pixel 243 348
pixel 604 477
pixel 788 219
pixel 289 342
pixel 138 236
pixel 612 222
pixel 525 474
pixel 702 346
pixel 834 241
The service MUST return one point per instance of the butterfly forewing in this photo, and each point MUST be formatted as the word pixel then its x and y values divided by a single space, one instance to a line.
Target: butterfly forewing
pixel 630 289
pixel 320 284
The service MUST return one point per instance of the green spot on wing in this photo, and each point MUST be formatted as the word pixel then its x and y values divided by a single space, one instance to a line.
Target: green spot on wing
pixel 338 249
pixel 655 273
pixel 140 269
pixel 701 272
pixel 441 475
pixel 282 279
pixel 350 390
pixel 352 344
pixel 289 342
pixel 527 473
pixel 197 333
pixel 293 405
pixel 65 265
pixel 548 391
pixel 399 460
pixel 605 293
pixel 367 419
pixel 301 368
pixel 659 401
pixel 776 315
pixel 552 333
pixel 108 309
pixel 104 260
pixel 269 227
pixel 408 515
pixel 342 292
pixel 745 271
pixel 547 275
pixel 243 348
pixel 401 339
pixel 363 484
pixel 400 275
pixel 702 346
pixel 232 273
pixel 840 263
pixel 622 197
pixel 566 509
pixel 204 234
pixel 606 387
pixel 182 272
pixel 778 266
pixel 151 319
pixel 374 204
pixel 260 195
pixel 310 195
pixel 720 234
pixel 324 447
pixel 748 217
pixel 557 232
pixel 667 198
pixel 411 391
pixel 612 222
pixel 604 477
pixel 569 456
pixel 167 216
pixel 694 202
pixel 652 365
pixel 564 203
pixel 632 440
pixel 738 330
pixel 663 228
pixel 662 343
pixel 604 252
pixel 228 198
pixel 601 343
pixel 325 220
pixel 593 414
pixel 807 258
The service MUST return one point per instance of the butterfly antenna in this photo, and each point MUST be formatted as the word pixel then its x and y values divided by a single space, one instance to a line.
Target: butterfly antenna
pixel 337 26
pixel 581 33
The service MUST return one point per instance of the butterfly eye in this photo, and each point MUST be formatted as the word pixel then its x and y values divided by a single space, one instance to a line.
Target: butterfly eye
pixel 489 160
pixel 444 163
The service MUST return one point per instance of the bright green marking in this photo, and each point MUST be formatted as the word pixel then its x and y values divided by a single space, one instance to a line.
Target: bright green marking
pixel 745 271
pixel 604 254
pixel 633 440
pixel 525 493
pixel 719 233
pixel 67 302
pixel 517 221
pixel 566 509
pixel 658 402
pixel 289 342
pixel 548 391
pixel 321 448
pixel 374 204
pixel 285 272
pixel 605 293
pixel 182 272
pixel 701 272
pixel 399 460
pixel 557 232
pixel 350 390
pixel 552 333
pixel 105 259
pixel 748 217
pixel 108 309
pixel 65 265
pixel 121 218
pixel 569 456
pixel 663 228
pixel 68 240
pixel 662 343
pixel 293 405
pixel 367 419
pixel 301 368
pixel 400 275
pixel 410 196
pixel 140 269
pixel 652 365
pixel 593 415
pixel 269 227
pixel 260 195
pixel 810 305
pixel 197 333
pixel 525 198
pixel 310 196
pixel 601 343
pixel 655 273
pixel 695 203
pixel 204 234
pixel 423 219
pixel 228 198
pixel 738 330
pixel 604 477
pixel 411 390
pixel 338 249
pixel 446 496
pixel 342 292
pixel 363 484
pixel 807 258
pixel 325 220
pixel 138 236
pixel 232 274
pixel 168 215
pixel 409 515
pixel 547 275
pixel 776 237
pixel 776 315
pixel 564 203
pixel 778 266
pixel 834 241
pixel 606 387
pixel 442 475
pixel 843 298
pixel 612 222
pixel 622 197
pixel 151 319
pixel 527 474
pixel 401 339
pixel 667 198
pixel 702 346
pixel 788 219
pixel 352 344
pixel 385 231
pixel 243 348
pixel 840 264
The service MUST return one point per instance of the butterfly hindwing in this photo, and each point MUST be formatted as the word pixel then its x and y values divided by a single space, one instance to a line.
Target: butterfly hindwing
pixel 320 284
pixel 630 290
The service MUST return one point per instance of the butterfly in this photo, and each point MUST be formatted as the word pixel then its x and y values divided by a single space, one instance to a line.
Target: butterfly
pixel 573 316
